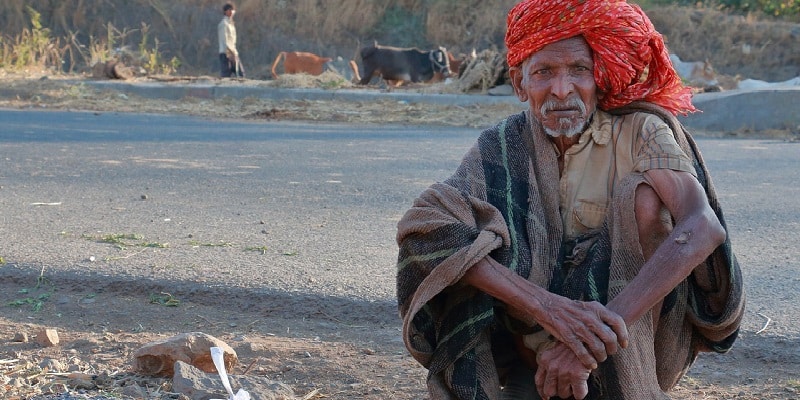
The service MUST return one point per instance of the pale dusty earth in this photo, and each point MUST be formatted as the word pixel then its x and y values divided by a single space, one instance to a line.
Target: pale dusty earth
pixel 341 361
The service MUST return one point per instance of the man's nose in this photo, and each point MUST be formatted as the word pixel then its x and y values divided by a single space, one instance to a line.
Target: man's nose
pixel 562 86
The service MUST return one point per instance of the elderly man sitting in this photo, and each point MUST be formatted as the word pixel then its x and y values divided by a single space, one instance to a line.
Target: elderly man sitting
pixel 579 250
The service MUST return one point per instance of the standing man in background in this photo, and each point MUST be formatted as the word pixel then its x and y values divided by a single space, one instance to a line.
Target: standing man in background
pixel 228 55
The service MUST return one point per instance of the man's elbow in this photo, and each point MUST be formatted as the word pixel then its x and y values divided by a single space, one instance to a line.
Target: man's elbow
pixel 715 232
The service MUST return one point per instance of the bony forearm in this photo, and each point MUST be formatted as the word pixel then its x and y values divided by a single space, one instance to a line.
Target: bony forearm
pixel 523 299
pixel 587 328
pixel 690 243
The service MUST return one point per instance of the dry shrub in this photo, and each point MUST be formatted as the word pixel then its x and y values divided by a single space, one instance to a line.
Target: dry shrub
pixel 186 29
pixel 735 45
pixel 467 25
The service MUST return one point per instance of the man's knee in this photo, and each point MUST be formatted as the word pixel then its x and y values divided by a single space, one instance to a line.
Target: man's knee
pixel 652 218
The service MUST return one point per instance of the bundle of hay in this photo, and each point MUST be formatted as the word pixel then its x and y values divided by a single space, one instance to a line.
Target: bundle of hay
pixel 487 70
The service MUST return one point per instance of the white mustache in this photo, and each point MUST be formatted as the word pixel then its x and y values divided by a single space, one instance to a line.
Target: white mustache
pixel 552 105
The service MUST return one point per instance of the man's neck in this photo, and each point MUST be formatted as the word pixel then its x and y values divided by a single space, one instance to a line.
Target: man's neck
pixel 563 142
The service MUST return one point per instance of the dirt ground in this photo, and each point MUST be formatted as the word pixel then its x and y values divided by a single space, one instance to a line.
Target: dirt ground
pixel 38 90
pixel 343 360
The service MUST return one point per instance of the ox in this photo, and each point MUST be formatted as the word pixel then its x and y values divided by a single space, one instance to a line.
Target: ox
pixel 298 62
pixel 695 73
pixel 403 64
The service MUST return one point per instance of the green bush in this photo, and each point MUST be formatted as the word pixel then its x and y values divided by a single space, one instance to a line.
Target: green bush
pixel 32 47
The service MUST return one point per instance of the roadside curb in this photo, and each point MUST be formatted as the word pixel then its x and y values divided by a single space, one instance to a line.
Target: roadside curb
pixel 756 109
pixel 735 110
pixel 212 91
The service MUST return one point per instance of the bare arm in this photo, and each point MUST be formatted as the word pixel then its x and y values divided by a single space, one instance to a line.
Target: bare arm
pixel 697 232
pixel 579 325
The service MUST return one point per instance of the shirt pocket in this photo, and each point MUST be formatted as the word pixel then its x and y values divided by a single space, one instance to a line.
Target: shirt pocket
pixel 589 215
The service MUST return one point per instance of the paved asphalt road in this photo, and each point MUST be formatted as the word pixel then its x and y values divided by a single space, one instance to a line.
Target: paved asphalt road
pixel 301 208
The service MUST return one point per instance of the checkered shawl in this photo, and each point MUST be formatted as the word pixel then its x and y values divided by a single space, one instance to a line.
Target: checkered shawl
pixel 503 202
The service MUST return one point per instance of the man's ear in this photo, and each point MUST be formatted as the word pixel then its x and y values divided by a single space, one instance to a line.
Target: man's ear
pixel 515 73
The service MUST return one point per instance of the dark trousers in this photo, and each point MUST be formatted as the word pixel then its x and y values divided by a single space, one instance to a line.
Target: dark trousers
pixel 229 67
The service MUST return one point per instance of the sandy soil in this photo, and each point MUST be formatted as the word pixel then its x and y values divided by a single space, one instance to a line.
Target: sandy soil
pixel 344 360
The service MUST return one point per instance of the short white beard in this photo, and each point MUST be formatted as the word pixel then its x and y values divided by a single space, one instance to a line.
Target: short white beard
pixel 566 126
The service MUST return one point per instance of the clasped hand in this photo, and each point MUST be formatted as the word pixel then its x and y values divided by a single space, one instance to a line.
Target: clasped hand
pixel 589 329
pixel 585 334
pixel 560 373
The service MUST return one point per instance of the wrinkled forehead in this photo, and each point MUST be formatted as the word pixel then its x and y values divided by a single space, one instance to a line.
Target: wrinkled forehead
pixel 571 50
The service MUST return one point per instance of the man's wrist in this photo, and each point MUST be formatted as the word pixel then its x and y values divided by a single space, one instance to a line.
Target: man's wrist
pixel 539 342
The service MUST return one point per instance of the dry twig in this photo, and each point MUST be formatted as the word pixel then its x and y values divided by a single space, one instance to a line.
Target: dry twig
pixel 311 394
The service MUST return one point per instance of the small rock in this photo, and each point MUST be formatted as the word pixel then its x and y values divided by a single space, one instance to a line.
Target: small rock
pixel 104 380
pixel 144 197
pixel 52 365
pixel 158 358
pixel 47 337
pixel 134 391
pixel 195 384
pixel 81 382
pixel 21 337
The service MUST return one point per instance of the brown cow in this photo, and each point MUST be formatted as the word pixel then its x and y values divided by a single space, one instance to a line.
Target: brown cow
pixel 299 62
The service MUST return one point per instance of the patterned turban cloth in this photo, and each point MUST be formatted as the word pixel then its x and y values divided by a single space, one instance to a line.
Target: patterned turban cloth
pixel 631 61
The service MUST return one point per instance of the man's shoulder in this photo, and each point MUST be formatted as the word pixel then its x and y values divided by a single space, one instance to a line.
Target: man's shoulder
pixel 511 122
pixel 637 122
pixel 641 115
pixel 637 118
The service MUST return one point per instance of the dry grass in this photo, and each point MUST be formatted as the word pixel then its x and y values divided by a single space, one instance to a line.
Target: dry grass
pixel 186 29
pixel 740 45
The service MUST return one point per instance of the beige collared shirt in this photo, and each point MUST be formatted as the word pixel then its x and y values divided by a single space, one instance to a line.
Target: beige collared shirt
pixel 612 147
pixel 226 33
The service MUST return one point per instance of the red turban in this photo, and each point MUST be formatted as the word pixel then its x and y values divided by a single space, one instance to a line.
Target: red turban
pixel 624 42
